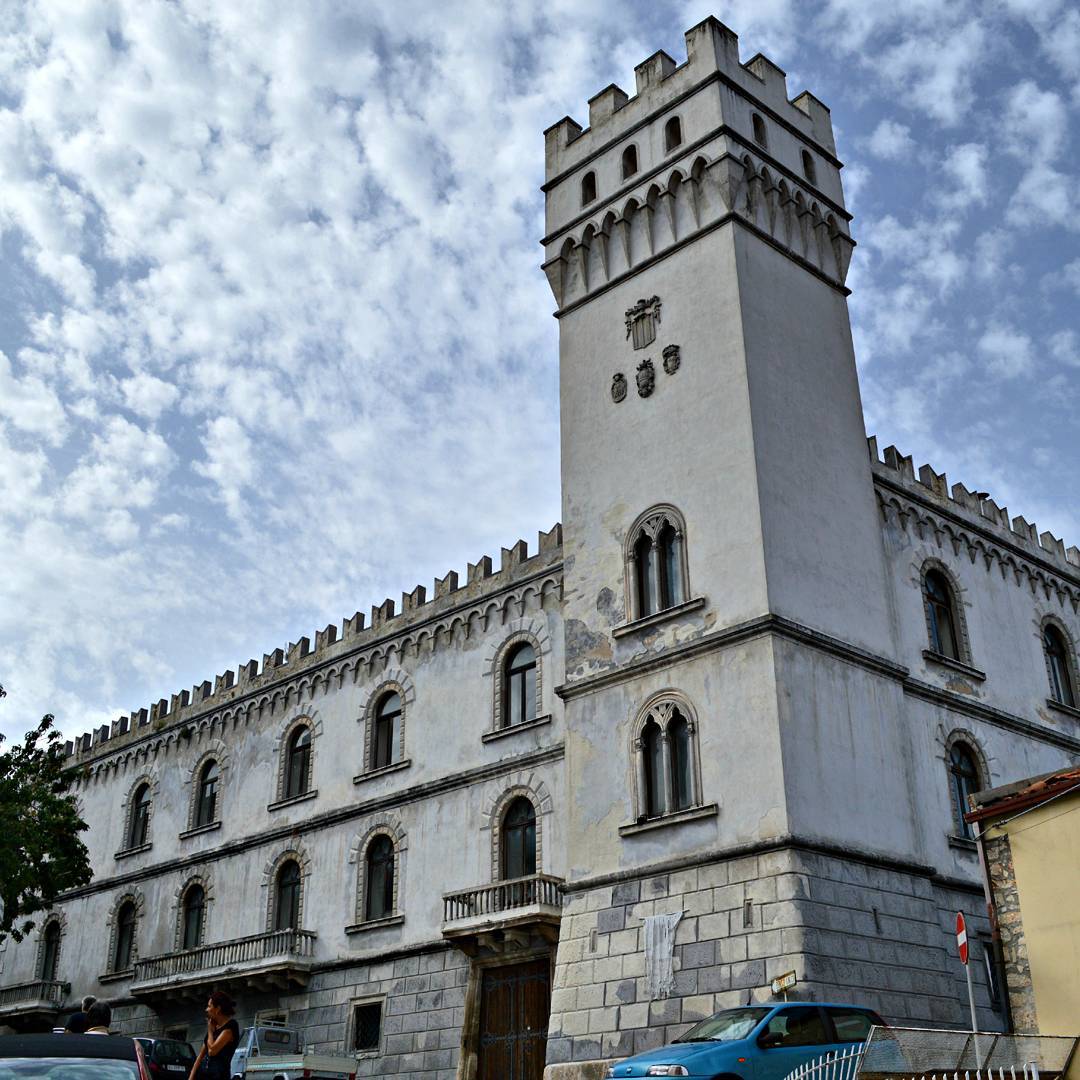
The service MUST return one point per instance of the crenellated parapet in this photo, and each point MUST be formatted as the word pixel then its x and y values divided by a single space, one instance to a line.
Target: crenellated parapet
pixel 295 673
pixel 621 193
pixel 971 522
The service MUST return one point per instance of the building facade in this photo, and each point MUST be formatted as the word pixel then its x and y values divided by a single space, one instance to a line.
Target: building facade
pixel 720 726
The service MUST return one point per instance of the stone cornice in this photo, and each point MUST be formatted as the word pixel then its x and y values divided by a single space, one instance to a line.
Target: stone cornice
pixel 325 820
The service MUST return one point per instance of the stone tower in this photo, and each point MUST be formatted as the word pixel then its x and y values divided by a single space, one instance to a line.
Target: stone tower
pixel 725 599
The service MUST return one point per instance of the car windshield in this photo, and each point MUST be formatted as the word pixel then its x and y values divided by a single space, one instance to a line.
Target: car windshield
pixel 726 1026
pixel 65 1068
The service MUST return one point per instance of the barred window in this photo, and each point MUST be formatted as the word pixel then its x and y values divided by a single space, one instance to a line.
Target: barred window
pixel 367 1026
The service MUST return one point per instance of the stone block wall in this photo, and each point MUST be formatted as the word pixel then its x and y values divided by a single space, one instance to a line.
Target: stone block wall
pixel 851 931
pixel 1018 986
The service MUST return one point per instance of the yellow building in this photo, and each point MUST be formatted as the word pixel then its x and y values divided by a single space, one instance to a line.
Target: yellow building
pixel 1029 837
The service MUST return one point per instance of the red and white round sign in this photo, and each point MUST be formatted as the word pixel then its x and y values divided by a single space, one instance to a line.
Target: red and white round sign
pixel 961 937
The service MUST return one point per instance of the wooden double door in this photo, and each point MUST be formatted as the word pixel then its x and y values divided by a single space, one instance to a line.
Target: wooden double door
pixel 515 1001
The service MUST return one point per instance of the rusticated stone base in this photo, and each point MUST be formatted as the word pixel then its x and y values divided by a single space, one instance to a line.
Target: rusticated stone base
pixel 579 1070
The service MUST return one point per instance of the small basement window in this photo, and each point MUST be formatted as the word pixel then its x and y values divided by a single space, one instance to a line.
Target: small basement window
pixel 367 1027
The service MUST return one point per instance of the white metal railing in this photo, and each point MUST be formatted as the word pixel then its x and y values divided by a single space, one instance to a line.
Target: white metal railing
pixel 834 1066
pixel 847 1064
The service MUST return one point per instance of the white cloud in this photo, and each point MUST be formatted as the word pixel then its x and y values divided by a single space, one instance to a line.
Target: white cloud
pixel 891 141
pixel 148 395
pixel 1045 198
pixel 1064 347
pixel 29 405
pixel 1008 352
pixel 1035 122
pixel 965 167
pixel 1070 273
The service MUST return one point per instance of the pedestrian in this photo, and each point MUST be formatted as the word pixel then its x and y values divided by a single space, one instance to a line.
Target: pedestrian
pixel 98 1018
pixel 76 1024
pixel 222 1036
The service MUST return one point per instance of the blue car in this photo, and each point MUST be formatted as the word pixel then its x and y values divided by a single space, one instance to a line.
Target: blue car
pixel 758 1042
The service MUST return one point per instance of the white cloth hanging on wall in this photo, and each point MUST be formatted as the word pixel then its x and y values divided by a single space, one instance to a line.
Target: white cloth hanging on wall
pixel 659 947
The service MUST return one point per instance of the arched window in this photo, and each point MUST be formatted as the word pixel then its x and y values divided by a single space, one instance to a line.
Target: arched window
pixel 672 134
pixel 964 781
pixel 194 917
pixel 379 878
pixel 124 943
pixel 50 952
pixel 761 135
pixel 657 564
pixel 941 615
pixel 588 188
pixel 287 896
pixel 519 686
pixel 808 167
pixel 298 762
pixel 629 162
pixel 206 795
pixel 519 840
pixel 667 774
pixel 384 737
pixel 139 821
pixel 1057 662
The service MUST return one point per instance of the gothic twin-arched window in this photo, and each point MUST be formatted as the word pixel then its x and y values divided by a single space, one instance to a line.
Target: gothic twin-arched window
pixel 666 753
pixel 656 563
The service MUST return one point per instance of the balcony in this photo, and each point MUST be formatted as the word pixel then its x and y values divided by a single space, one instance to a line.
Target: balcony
pixel 522 913
pixel 32 1005
pixel 280 960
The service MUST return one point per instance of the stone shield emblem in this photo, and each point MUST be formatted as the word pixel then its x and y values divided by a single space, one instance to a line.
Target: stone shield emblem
pixel 646 378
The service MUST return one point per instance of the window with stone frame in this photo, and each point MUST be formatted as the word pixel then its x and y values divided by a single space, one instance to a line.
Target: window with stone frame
pixel 379 895
pixel 519 685
pixel 629 162
pixel 761 133
pixel 656 564
pixel 298 763
pixel 367 1026
pixel 1060 657
pixel 672 134
pixel 287 896
pixel 666 760
pixel 386 722
pixel 192 917
pixel 588 188
pixel 138 825
pixel 808 167
pixel 945 629
pixel 123 946
pixel 965 779
pixel 206 795
pixel 49 950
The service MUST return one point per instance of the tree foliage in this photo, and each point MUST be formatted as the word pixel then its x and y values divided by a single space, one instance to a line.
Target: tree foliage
pixel 41 852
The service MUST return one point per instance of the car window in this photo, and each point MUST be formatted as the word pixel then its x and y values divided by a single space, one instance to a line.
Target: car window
pixel 852 1025
pixel 173 1052
pixel 795 1027
pixel 66 1068
pixel 725 1026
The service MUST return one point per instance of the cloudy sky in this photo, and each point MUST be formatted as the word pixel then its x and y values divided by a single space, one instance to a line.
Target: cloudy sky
pixel 274 343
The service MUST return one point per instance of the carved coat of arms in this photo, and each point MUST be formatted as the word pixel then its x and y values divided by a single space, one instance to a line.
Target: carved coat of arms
pixel 642 320
pixel 618 387
pixel 646 378
pixel 672 359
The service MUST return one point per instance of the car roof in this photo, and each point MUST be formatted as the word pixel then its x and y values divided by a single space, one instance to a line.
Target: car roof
pixel 117 1047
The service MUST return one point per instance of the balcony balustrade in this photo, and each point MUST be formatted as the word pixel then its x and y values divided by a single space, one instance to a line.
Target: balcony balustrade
pixel 276 960
pixel 35 1003
pixel 515 912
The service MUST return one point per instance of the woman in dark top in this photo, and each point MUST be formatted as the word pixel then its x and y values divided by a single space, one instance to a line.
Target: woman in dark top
pixel 222 1036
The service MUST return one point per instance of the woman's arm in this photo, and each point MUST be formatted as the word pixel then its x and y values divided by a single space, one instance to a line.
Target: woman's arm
pixel 218 1043
pixel 198 1062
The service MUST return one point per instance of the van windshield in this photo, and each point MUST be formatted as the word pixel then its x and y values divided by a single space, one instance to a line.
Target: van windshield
pixel 726 1026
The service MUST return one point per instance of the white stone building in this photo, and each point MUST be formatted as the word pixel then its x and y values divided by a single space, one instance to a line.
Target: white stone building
pixel 750 679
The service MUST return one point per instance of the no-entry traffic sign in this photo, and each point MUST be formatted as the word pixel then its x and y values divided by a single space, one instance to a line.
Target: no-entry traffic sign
pixel 961 937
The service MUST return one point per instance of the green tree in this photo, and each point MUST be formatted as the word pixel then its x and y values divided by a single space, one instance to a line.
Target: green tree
pixel 41 852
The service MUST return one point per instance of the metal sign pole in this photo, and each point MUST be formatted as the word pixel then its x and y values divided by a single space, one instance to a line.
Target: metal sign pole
pixel 974 1022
